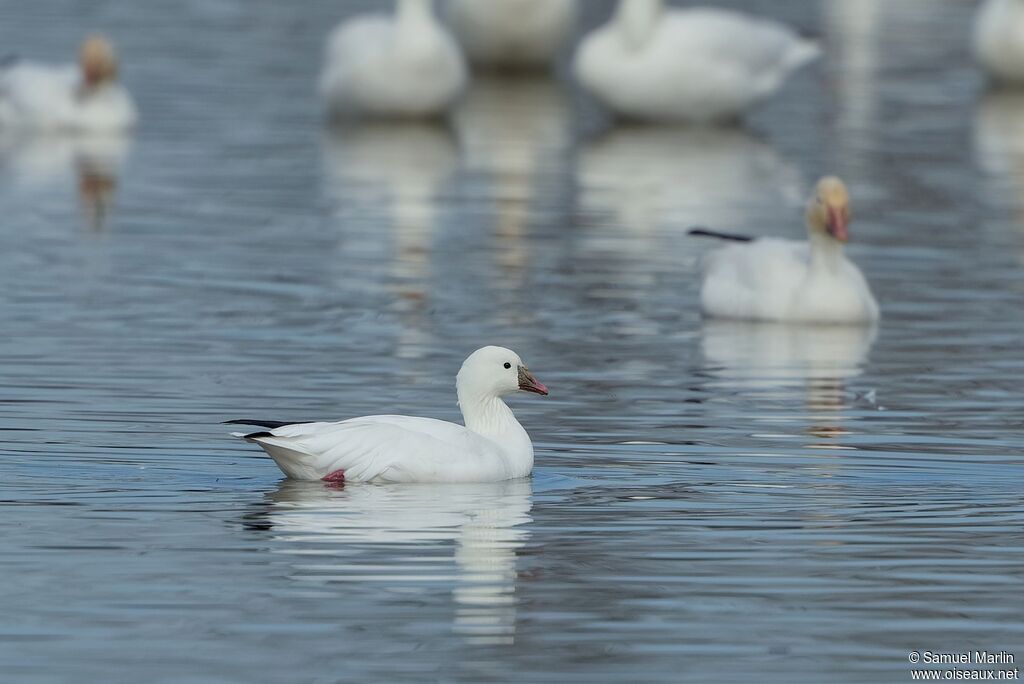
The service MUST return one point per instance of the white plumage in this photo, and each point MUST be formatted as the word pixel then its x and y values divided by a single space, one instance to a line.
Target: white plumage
pixel 699 64
pixel 999 39
pixel 492 446
pixel 82 98
pixel 770 279
pixel 405 65
pixel 512 34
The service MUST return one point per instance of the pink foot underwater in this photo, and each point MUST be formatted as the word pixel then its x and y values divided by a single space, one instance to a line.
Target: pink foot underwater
pixel 336 477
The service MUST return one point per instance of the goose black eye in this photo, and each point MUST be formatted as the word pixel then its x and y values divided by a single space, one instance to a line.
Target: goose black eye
pixel 508 365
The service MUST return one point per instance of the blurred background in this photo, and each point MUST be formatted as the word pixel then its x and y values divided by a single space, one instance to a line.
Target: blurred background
pixel 710 500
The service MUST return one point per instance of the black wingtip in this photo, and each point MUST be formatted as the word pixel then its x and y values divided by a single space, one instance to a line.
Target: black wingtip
pixel 706 232
pixel 271 424
pixel 254 435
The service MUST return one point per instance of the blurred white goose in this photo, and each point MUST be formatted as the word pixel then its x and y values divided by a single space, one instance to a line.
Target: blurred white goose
pixel 84 98
pixel 770 279
pixel 512 34
pixel 405 65
pixel 492 446
pixel 699 64
pixel 999 39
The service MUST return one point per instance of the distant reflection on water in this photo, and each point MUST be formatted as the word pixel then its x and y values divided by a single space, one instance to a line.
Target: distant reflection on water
pixel 651 178
pixel 763 355
pixel 90 163
pixel 774 359
pixel 512 131
pixel 999 154
pixel 512 127
pixel 402 167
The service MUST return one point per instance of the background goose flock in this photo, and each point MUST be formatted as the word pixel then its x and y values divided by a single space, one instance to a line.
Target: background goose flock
pixel 766 255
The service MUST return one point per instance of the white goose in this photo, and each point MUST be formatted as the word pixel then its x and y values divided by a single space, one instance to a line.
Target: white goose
pixel 407 65
pixel 512 34
pixel 770 279
pixel 83 98
pixel 698 64
pixel 999 39
pixel 492 446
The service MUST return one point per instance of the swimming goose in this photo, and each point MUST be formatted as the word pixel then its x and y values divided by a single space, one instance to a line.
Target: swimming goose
pixel 771 279
pixel 999 39
pixel 492 446
pixel 407 65
pixel 84 98
pixel 512 34
pixel 698 64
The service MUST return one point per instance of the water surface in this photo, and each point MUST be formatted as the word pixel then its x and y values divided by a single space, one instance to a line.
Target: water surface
pixel 719 502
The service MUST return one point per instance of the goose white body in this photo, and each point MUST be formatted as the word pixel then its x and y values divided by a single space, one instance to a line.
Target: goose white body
pixel 999 39
pixel 512 33
pixel 769 279
pixel 42 97
pixel 699 64
pixel 399 449
pixel 491 447
pixel 405 65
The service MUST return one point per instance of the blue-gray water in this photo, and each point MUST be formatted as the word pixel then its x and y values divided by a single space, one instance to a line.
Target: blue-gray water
pixel 711 502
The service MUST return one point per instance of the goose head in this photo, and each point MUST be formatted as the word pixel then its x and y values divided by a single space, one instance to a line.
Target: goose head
pixel 97 61
pixel 828 211
pixel 492 372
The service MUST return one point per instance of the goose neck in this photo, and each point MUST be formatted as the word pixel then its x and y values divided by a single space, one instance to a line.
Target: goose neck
pixel 637 19
pixel 412 15
pixel 486 415
pixel 826 253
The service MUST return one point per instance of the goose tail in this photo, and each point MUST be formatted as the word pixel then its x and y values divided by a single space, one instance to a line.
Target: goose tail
pixel 804 51
pixel 289 455
pixel 732 237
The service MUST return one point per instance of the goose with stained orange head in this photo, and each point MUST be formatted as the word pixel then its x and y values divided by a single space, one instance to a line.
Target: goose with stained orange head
pixel 787 280
pixel 85 97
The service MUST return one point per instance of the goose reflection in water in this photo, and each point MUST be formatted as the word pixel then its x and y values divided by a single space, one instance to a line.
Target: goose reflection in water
pixel 513 126
pixel 853 30
pixel 999 153
pixel 776 360
pixel 652 179
pixel 515 131
pixel 398 169
pixel 369 533
pixel 38 164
